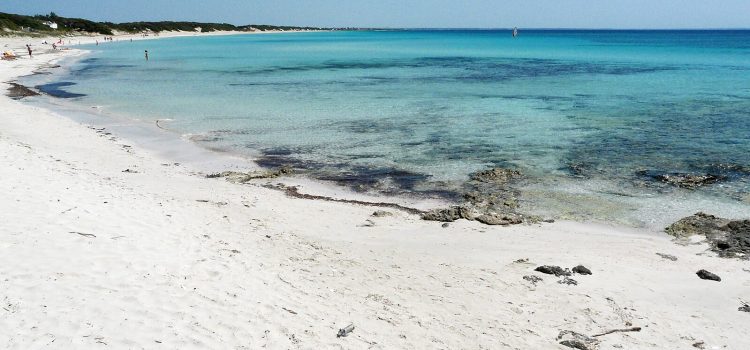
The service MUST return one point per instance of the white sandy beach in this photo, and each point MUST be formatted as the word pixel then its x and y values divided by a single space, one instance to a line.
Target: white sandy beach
pixel 161 257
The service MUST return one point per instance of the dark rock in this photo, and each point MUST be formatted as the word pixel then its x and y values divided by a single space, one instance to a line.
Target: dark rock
pixel 569 281
pixel 445 225
pixel 581 270
pixel 737 241
pixel 553 270
pixel 577 340
pixel 495 175
pixel 705 275
pixel 499 219
pixel 744 308
pixel 690 181
pixel 697 224
pixel 729 239
pixel 533 279
pixel 667 256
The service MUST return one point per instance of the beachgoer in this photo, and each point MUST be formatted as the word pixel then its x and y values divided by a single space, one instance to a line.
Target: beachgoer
pixel 146 55
pixel 54 47
pixel 28 47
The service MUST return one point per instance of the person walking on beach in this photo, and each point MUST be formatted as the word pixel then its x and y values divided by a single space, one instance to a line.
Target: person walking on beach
pixel 146 55
pixel 28 47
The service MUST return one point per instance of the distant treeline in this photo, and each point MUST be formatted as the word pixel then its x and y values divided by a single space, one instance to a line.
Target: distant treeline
pixel 21 23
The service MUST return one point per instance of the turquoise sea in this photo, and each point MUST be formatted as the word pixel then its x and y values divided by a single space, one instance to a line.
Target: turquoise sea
pixel 591 118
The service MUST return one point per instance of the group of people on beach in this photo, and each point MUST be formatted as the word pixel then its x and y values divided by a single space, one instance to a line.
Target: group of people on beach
pixel 9 55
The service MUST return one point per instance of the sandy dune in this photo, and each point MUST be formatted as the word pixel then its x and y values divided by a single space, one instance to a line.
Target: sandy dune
pixel 160 257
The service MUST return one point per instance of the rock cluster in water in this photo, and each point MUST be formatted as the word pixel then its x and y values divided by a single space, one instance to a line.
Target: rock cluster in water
pixel 684 180
pixel 488 199
pixel 691 181
pixel 728 238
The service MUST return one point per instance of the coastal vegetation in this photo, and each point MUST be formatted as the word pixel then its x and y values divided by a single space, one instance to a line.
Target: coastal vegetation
pixel 44 24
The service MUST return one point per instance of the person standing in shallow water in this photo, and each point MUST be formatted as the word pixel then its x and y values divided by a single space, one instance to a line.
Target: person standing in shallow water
pixel 146 55
pixel 28 47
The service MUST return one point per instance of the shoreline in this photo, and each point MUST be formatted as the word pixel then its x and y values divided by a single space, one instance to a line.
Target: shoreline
pixel 587 198
pixel 164 256
pixel 180 148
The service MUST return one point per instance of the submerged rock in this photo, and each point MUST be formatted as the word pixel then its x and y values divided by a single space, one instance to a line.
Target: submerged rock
pixel 495 175
pixel 690 181
pixel 729 239
pixel 553 270
pixel 581 270
pixel 705 275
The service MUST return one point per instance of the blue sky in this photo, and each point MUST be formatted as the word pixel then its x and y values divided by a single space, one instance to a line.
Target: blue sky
pixel 411 13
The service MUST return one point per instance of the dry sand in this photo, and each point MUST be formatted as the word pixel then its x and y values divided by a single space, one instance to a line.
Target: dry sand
pixel 163 258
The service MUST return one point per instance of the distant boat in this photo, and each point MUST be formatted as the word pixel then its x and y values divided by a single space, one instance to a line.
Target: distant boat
pixel 515 32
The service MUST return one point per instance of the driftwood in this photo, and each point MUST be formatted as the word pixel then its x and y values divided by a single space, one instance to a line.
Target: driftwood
pixel 633 329
pixel 87 235
pixel 289 310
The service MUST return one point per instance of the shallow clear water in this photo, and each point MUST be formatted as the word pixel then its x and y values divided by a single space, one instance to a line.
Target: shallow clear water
pixel 588 116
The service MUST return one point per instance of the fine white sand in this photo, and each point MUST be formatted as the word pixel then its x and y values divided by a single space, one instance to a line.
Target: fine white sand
pixel 162 258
